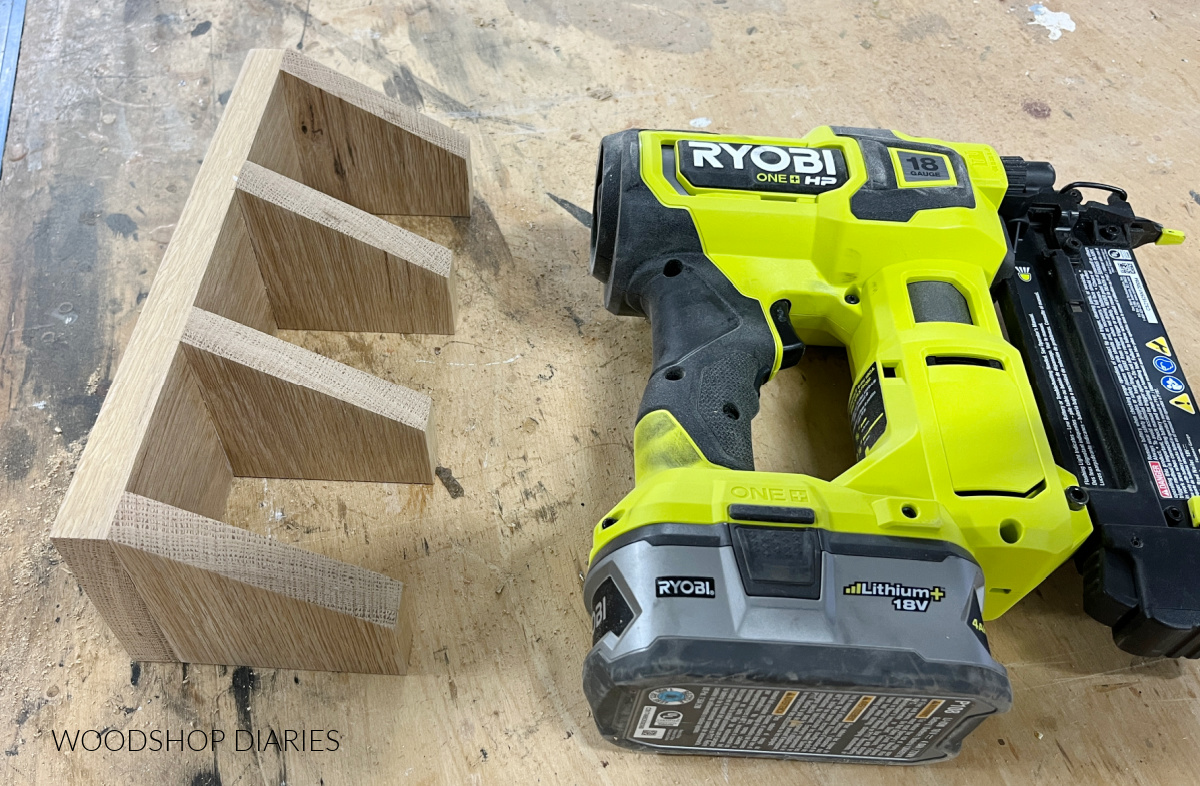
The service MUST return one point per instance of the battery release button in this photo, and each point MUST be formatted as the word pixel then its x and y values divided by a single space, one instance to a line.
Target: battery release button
pixel 779 562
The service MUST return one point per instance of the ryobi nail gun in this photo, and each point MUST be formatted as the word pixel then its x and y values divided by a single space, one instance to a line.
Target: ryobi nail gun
pixel 771 614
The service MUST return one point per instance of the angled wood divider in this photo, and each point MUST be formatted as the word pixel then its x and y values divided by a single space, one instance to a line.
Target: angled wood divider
pixel 281 231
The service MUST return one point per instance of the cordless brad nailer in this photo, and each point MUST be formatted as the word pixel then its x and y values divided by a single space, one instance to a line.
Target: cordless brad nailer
pixel 771 614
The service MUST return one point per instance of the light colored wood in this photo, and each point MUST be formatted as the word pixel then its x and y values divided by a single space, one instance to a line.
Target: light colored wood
pixel 285 412
pixel 368 150
pixel 182 461
pixel 274 145
pixel 192 407
pixel 115 442
pixel 122 453
pixel 224 595
pixel 111 590
pixel 330 266
pixel 233 284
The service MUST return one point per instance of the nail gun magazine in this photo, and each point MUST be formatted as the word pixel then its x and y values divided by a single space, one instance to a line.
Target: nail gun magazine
pixel 1016 403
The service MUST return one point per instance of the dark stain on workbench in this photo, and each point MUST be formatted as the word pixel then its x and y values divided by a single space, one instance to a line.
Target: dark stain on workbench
pixel 17 451
pixel 437 34
pixel 135 673
pixel 122 225
pixel 242 685
pixel 201 29
pixel 132 9
pixel 65 347
pixel 206 778
pixel 579 323
pixel 1037 109
pixel 403 87
pixel 451 483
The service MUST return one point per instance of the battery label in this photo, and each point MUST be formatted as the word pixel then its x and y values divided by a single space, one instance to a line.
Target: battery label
pixel 1155 391
pixel 719 719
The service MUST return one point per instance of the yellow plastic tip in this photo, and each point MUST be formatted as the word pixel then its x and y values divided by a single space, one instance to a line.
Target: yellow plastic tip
pixel 1170 237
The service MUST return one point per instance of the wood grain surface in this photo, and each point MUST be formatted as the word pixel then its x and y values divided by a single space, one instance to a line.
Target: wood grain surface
pixel 537 391
pixel 198 403
pixel 283 411
pixel 330 266
pixel 225 595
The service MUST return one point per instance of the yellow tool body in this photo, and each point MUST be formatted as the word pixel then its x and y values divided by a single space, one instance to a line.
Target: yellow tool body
pixel 962 456
pixel 750 613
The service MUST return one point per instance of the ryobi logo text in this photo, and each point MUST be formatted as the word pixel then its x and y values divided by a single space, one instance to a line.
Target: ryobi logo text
pixel 904 598
pixel 801 170
pixel 685 587
pixel 767 158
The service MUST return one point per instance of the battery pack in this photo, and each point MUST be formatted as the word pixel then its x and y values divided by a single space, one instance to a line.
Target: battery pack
pixel 788 642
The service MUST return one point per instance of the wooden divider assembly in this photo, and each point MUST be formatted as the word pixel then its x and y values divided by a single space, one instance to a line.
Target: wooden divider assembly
pixel 281 231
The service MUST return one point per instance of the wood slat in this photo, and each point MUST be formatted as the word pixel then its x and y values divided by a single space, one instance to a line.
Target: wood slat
pixel 224 595
pixel 368 150
pixel 330 266
pixel 285 412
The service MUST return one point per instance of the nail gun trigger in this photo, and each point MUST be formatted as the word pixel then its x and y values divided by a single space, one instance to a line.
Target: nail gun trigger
pixel 793 347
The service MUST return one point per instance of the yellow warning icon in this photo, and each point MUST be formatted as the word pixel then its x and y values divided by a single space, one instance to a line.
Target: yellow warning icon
pixel 1184 402
pixel 1160 346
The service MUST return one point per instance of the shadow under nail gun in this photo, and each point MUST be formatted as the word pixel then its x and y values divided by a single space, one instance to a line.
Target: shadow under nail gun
pixel 774 614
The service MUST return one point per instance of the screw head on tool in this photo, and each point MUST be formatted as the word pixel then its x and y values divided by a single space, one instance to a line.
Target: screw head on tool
pixel 1077 497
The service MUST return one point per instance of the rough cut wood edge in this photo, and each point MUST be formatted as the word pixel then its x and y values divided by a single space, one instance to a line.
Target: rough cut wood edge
pixel 111 591
pixel 368 150
pixel 283 411
pixel 330 266
pixel 115 441
pixel 225 595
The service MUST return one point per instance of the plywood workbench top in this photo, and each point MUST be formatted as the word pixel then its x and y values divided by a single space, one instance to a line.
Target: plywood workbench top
pixel 537 392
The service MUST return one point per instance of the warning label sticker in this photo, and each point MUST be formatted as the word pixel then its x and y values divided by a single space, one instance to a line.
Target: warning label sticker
pixel 810 722
pixel 1082 449
pixel 868 419
pixel 1184 402
pixel 1160 345
pixel 1155 392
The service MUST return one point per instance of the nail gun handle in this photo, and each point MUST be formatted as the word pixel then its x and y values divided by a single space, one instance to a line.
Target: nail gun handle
pixel 713 349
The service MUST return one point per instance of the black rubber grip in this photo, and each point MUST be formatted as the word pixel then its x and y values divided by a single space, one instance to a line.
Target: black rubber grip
pixel 713 349
pixel 773 514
